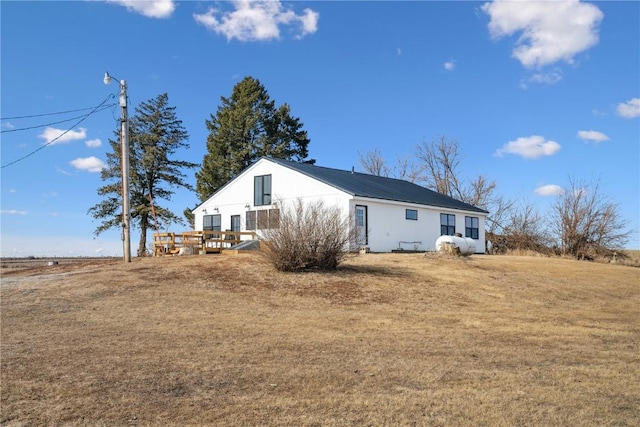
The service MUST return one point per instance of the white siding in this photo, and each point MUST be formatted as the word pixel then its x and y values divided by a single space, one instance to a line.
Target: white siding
pixel 388 226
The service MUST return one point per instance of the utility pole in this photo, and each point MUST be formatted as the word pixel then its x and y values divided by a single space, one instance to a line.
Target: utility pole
pixel 124 143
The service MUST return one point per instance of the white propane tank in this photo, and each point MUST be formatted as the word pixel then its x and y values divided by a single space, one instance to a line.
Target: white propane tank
pixel 466 245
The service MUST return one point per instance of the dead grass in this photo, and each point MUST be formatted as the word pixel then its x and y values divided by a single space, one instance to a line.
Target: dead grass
pixel 388 339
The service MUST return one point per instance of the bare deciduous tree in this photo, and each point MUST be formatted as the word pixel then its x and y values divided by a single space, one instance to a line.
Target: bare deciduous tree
pixel 586 222
pixel 499 208
pixel 524 229
pixel 406 170
pixel 440 162
pixel 373 163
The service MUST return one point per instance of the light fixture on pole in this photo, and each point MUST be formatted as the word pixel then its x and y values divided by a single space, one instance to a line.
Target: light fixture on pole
pixel 124 143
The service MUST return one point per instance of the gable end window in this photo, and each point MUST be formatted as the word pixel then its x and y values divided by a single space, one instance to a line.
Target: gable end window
pixel 411 214
pixel 447 224
pixel 262 190
pixel 471 227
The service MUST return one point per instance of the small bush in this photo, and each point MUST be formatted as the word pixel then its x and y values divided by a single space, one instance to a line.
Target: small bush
pixel 311 236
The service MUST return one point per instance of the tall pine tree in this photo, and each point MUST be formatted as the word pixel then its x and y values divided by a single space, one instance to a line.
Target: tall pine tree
pixel 248 126
pixel 155 134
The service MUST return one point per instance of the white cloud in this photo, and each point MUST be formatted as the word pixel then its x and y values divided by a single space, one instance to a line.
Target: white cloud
pixel 62 171
pixel 254 20
pixel 549 190
pixel 550 78
pixel 12 190
pixel 148 8
pixel 89 164
pixel 629 109
pixel 309 22
pixel 13 212
pixel 55 136
pixel 93 143
pixel 449 65
pixel 550 30
pixel 399 51
pixel 592 135
pixel 8 125
pixel 530 147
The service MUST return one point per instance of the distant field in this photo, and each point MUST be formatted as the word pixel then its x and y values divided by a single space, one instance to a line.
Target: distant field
pixel 388 339
pixel 33 262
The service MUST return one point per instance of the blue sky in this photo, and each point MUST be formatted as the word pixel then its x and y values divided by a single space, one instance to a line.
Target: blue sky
pixel 534 92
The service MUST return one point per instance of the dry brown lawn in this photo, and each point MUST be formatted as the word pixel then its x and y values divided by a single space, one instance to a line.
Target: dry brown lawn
pixel 387 340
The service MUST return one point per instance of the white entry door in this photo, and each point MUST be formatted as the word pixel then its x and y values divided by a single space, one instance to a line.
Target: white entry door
pixel 361 225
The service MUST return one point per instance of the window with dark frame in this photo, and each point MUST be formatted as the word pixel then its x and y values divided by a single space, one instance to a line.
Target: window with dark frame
pixel 472 227
pixel 263 219
pixel 447 224
pixel 235 222
pixel 274 218
pixel 362 237
pixel 411 214
pixel 251 220
pixel 212 222
pixel 262 190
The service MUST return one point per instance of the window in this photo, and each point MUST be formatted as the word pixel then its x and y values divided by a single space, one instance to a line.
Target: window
pixel 362 237
pixel 263 219
pixel 471 227
pixel 411 214
pixel 274 218
pixel 235 222
pixel 447 224
pixel 262 190
pixel 251 220
pixel 211 222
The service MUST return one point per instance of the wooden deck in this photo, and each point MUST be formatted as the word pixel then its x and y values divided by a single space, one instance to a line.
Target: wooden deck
pixel 193 242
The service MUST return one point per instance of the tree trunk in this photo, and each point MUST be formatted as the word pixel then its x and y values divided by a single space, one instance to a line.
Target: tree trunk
pixel 144 225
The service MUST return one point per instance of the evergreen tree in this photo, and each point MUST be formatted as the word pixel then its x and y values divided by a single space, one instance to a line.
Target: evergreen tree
pixel 155 134
pixel 248 126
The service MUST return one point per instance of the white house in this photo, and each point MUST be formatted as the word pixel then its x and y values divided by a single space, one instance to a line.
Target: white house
pixel 391 213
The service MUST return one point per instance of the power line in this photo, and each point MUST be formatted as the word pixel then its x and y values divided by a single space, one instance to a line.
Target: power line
pixel 54 123
pixel 46 114
pixel 95 109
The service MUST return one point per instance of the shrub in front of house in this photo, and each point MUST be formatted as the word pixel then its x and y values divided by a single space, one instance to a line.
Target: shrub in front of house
pixel 308 236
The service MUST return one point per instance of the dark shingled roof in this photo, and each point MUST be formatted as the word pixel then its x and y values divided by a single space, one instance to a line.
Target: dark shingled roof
pixel 377 187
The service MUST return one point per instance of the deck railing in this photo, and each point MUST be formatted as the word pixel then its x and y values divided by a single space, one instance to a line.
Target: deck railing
pixel 208 241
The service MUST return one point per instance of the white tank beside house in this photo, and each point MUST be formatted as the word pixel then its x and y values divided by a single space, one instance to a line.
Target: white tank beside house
pixel 466 245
